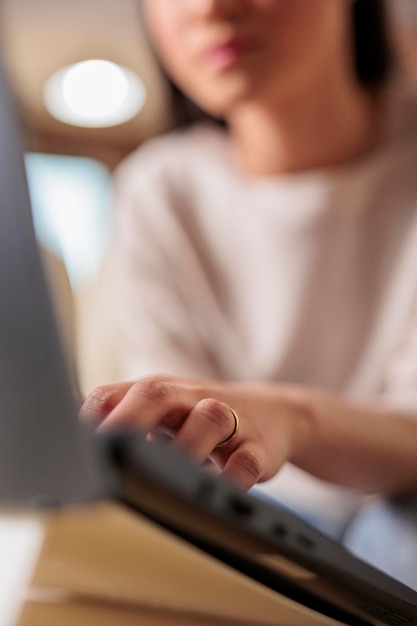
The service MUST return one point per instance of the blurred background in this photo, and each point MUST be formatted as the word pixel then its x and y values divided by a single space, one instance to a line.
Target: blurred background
pixel 89 93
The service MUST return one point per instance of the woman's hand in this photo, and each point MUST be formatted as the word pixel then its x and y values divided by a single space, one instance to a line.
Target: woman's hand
pixel 368 447
pixel 275 422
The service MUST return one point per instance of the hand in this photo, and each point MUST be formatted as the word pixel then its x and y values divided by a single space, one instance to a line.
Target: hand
pixel 275 421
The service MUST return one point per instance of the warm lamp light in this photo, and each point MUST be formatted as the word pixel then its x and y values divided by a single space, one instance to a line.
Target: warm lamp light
pixel 94 93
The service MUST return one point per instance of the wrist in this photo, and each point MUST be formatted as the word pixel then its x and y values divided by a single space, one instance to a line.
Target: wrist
pixel 304 422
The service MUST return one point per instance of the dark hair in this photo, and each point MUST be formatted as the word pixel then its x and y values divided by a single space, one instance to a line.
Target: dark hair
pixel 373 53
pixel 373 59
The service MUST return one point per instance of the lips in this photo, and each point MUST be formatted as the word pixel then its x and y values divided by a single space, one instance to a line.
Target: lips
pixel 225 55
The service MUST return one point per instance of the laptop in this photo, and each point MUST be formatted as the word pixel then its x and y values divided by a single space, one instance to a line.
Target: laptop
pixel 49 459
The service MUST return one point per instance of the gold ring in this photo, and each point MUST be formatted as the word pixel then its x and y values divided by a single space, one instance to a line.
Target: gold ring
pixel 235 429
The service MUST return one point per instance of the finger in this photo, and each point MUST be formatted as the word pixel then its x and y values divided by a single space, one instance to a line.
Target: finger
pixel 101 402
pixel 245 466
pixel 103 399
pixel 208 424
pixel 151 403
pixel 158 437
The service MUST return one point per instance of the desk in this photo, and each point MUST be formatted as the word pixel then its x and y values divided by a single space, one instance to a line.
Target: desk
pixel 108 566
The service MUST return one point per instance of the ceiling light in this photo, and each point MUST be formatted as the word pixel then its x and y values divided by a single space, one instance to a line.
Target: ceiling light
pixel 94 93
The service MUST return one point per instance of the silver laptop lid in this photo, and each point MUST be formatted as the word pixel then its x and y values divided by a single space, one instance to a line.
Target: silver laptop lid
pixel 43 449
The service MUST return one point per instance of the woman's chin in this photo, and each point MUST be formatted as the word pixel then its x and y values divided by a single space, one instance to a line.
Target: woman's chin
pixel 224 100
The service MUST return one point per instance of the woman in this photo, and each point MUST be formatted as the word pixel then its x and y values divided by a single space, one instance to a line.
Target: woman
pixel 279 249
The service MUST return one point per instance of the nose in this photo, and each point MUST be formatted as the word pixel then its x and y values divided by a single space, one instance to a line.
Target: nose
pixel 220 9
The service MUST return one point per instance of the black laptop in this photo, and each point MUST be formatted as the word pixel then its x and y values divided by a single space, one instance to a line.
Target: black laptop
pixel 47 458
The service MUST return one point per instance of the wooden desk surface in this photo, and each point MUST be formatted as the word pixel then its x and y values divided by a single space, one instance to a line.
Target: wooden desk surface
pixel 108 566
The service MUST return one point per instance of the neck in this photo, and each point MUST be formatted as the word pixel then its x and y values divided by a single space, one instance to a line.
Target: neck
pixel 329 124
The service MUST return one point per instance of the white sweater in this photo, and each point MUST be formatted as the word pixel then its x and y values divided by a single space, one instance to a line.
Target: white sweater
pixel 309 278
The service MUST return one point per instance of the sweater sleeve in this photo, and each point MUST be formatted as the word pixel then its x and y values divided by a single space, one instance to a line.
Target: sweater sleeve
pixel 400 377
pixel 155 324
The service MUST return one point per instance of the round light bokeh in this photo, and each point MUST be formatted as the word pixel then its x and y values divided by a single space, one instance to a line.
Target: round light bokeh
pixel 95 94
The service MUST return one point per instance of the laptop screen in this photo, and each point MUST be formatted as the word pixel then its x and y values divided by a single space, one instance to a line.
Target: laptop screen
pixel 44 452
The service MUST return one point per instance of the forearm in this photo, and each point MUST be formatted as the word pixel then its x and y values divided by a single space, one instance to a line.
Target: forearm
pixel 364 447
